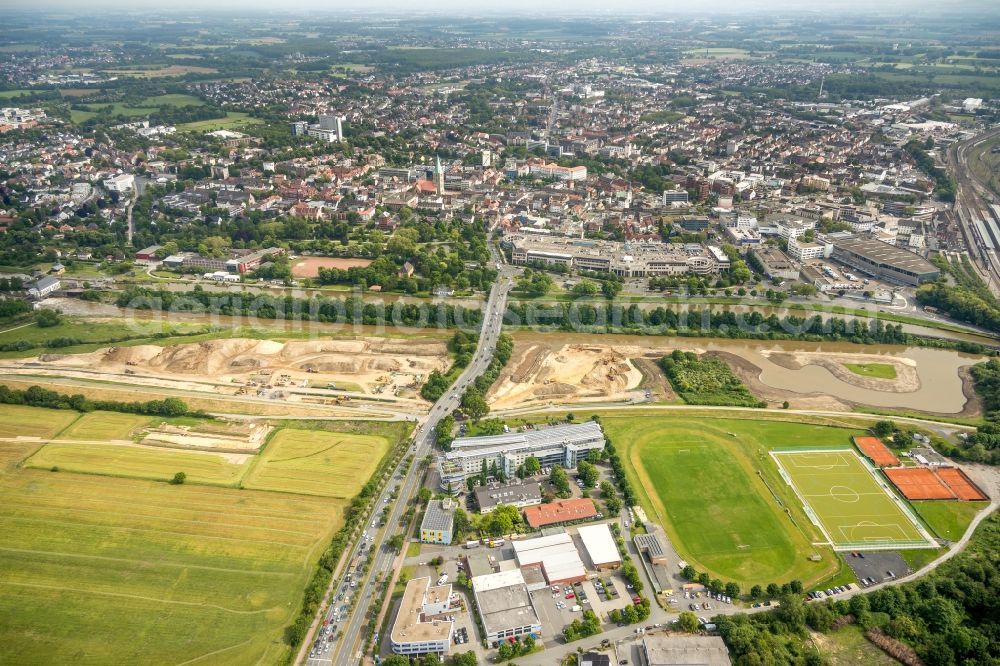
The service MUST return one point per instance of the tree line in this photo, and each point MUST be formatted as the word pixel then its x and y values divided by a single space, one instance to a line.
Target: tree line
pixel 36 396
pixel 348 310
pixel 949 617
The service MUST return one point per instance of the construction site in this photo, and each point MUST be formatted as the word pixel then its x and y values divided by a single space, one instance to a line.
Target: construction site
pixel 621 369
pixel 332 372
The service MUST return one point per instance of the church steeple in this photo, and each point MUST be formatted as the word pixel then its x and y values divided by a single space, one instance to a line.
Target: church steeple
pixel 438 176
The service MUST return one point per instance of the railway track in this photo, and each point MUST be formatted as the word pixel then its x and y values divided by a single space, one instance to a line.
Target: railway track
pixel 972 201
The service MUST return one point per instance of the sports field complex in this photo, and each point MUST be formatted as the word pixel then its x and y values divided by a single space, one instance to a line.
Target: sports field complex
pixel 850 504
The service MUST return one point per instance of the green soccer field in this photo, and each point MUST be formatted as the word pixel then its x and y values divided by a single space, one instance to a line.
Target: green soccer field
pixel 853 508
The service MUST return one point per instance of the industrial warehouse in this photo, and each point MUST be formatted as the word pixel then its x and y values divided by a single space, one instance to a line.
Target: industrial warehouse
pixel 884 261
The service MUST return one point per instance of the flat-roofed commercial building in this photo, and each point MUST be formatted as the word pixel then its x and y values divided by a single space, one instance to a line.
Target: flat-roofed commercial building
pixel 560 511
pixel 555 555
pixel 438 522
pixel 632 259
pixel 650 545
pixel 884 261
pixel 560 445
pixel 505 606
pixel 685 651
pixel 776 264
pixel 421 626
pixel 600 547
pixel 516 493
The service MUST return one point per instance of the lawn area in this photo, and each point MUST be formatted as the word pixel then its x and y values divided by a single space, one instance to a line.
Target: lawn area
pixel 948 519
pixel 849 501
pixel 233 120
pixel 413 549
pixel 102 426
pixel 707 471
pixel 877 370
pixel 23 421
pixel 173 100
pixel 317 462
pixel 103 570
pixel 138 463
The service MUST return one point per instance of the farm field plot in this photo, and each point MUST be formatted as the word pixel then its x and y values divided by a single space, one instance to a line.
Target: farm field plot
pixel 103 426
pixel 849 502
pixel 139 463
pixel 100 571
pixel 23 421
pixel 696 472
pixel 316 462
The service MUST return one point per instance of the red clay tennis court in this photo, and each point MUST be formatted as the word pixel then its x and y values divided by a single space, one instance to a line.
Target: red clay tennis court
pixel 919 483
pixel 960 484
pixel 873 448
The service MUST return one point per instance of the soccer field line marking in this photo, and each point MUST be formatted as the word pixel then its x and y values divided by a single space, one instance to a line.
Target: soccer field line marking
pixel 850 459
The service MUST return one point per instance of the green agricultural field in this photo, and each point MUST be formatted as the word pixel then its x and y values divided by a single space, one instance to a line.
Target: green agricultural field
pixel 317 462
pixel 853 506
pixel 707 471
pixel 103 426
pixel 104 570
pixel 876 370
pixel 948 519
pixel 233 120
pixel 22 421
pixel 139 462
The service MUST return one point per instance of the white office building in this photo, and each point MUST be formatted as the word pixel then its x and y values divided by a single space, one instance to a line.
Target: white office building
pixel 559 445
pixel 422 624
pixel 804 251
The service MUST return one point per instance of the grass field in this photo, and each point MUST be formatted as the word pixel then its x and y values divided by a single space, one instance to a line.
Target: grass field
pixel 102 426
pixel 693 472
pixel 233 120
pixel 21 421
pixel 138 463
pixel 173 100
pixel 316 462
pixel 101 571
pixel 848 501
pixel 948 519
pixel 876 370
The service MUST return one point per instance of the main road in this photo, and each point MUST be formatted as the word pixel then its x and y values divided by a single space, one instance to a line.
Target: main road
pixel 347 650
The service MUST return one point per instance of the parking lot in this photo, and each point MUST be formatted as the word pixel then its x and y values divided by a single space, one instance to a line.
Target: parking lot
pixel 875 566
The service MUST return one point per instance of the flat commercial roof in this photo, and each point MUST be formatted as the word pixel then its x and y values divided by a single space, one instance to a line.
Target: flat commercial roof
pixel 557 555
pixel 409 626
pixel 540 436
pixel 503 601
pixel 438 517
pixel 488 497
pixel 883 254
pixel 650 544
pixel 686 651
pixel 560 511
pixel 599 543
